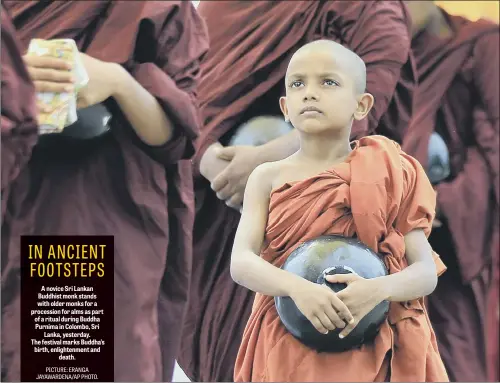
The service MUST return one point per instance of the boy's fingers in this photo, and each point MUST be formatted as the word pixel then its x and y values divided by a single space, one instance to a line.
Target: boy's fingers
pixel 334 317
pixel 318 325
pixel 348 329
pixel 342 309
pixel 326 322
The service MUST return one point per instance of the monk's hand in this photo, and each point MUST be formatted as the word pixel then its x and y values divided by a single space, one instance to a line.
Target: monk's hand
pixel 321 306
pixel 360 296
pixel 230 184
pixel 102 81
pixel 210 165
pixel 49 74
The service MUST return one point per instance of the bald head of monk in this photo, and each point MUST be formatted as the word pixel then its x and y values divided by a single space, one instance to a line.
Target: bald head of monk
pixel 325 88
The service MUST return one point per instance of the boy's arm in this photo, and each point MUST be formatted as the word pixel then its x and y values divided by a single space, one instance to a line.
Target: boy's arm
pixel 318 303
pixel 414 220
pixel 419 278
pixel 247 267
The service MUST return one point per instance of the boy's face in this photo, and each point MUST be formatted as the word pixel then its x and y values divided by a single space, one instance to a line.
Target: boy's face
pixel 320 94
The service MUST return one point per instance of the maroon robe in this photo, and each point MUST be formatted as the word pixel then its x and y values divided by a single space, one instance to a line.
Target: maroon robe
pixel 251 45
pixel 116 184
pixel 458 98
pixel 19 123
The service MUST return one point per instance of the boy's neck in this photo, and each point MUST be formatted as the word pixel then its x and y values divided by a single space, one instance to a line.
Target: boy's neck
pixel 325 148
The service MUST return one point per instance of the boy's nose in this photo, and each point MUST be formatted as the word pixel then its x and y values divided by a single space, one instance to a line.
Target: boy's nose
pixel 311 92
pixel 311 95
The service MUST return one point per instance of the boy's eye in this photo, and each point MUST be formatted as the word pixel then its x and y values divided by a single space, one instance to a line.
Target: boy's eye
pixel 296 84
pixel 330 82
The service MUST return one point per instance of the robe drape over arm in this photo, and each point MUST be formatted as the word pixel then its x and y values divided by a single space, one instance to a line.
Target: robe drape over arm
pixel 116 184
pixel 400 200
pixel 19 113
pixel 251 45
pixel 458 97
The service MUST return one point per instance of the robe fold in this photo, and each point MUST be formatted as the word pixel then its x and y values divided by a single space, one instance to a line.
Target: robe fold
pixel 458 97
pixel 251 44
pixel 116 184
pixel 19 122
pixel 400 199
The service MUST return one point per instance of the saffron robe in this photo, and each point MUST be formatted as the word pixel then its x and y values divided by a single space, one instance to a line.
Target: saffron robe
pixel 378 194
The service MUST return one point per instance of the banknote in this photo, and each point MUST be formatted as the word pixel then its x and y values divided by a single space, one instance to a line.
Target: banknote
pixel 61 106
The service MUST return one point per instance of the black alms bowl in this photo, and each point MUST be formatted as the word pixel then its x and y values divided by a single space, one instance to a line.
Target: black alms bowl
pixel 327 255
pixel 92 122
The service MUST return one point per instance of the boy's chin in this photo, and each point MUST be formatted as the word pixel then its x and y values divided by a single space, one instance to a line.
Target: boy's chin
pixel 317 127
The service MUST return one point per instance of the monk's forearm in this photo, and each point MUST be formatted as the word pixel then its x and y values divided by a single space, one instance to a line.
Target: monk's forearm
pixel 141 109
pixel 280 148
pixel 211 166
pixel 416 281
pixel 251 271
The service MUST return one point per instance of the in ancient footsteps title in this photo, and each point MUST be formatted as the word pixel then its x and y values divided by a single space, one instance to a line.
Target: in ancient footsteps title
pixel 67 316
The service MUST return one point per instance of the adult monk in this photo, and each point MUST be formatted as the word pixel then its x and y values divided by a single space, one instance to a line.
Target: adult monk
pixel 251 44
pixel 19 123
pixel 133 182
pixel 367 189
pixel 457 62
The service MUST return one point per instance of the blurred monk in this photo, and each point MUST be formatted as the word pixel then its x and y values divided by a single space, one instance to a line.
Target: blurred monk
pixel 457 62
pixel 251 44
pixel 19 112
pixel 368 188
pixel 142 59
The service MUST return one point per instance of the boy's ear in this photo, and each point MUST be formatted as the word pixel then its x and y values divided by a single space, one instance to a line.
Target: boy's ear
pixel 284 108
pixel 365 104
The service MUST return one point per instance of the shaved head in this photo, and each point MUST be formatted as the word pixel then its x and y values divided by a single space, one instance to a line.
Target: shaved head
pixel 325 88
pixel 348 61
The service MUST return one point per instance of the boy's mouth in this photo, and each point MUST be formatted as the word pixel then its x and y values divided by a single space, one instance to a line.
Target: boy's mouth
pixel 310 110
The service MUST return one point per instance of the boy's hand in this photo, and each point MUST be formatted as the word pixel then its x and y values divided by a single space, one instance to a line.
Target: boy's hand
pixel 360 296
pixel 321 306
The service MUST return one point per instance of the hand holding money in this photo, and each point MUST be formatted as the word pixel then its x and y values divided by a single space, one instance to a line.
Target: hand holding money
pixel 58 74
pixel 50 74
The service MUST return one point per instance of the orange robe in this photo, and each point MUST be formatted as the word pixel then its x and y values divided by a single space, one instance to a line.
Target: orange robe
pixel 400 200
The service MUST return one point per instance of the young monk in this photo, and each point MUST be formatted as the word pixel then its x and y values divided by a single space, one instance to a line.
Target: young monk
pixel 134 182
pixel 457 62
pixel 250 48
pixel 367 188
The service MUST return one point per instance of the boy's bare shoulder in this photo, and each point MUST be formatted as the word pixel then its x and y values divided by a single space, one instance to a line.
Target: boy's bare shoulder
pixel 267 173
